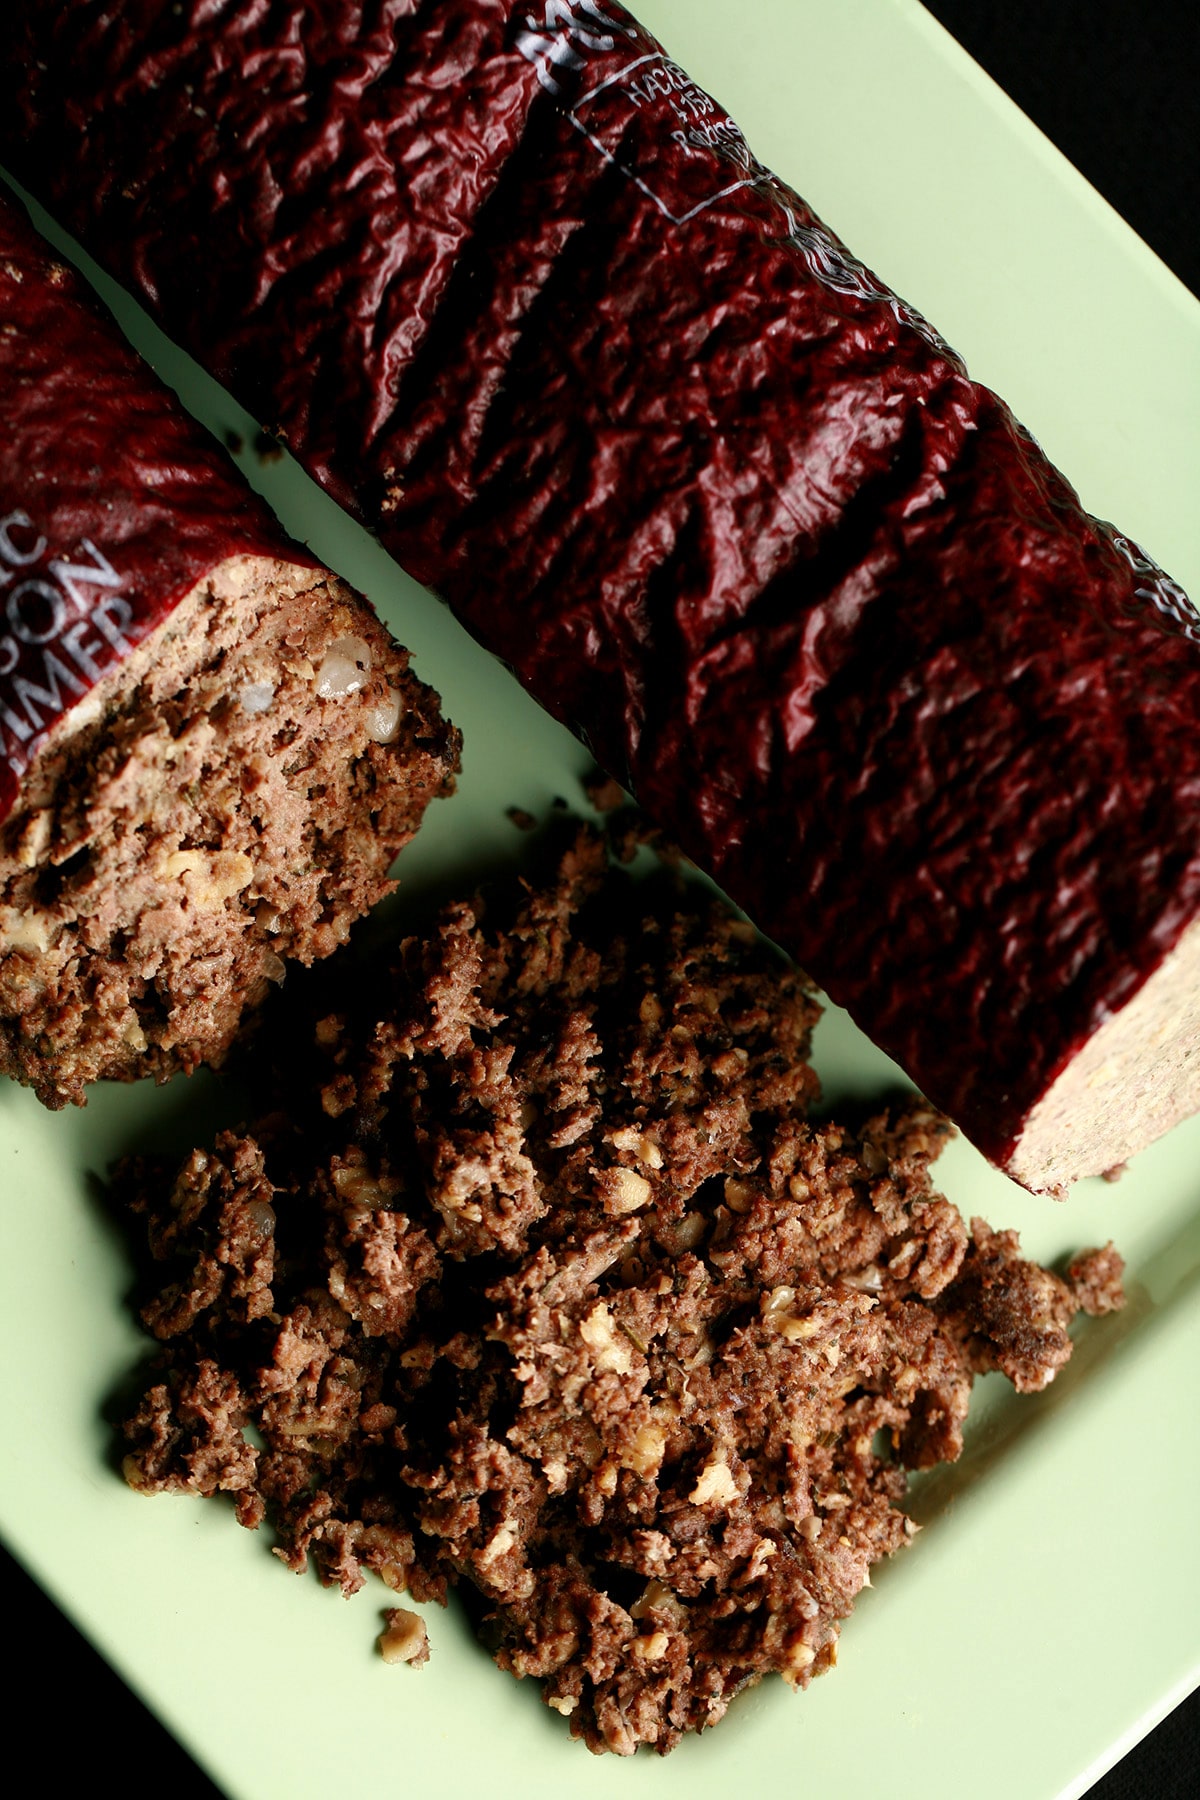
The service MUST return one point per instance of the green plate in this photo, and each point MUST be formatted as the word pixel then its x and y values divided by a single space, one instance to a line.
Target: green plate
pixel 1049 1613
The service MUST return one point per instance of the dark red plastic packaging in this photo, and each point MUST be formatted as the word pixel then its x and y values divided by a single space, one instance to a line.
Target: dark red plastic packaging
pixel 113 502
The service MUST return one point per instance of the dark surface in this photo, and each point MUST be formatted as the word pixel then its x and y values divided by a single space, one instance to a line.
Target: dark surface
pixel 1114 84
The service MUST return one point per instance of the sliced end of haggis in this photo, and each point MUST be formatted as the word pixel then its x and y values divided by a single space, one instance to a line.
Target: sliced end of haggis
pixel 565 1299
pixel 1136 1078
pixel 227 799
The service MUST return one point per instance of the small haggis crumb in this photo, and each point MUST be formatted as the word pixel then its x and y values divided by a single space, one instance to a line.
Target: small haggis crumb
pixel 405 1639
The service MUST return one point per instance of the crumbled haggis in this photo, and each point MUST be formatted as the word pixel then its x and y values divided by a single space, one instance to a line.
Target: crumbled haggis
pixel 605 794
pixel 268 446
pixel 558 1292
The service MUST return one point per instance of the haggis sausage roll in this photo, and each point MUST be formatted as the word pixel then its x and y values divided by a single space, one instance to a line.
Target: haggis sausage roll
pixel 210 749
pixel 517 292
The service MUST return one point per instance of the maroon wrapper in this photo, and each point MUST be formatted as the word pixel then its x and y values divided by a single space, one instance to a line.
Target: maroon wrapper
pixel 518 293
pixel 114 503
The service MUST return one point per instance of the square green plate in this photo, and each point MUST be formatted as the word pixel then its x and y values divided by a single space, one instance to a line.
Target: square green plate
pixel 1049 1613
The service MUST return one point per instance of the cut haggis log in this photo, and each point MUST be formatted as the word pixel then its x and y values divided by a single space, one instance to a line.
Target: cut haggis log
pixel 210 749
pixel 518 293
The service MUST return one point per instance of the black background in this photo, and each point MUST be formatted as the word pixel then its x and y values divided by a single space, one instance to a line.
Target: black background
pixel 1116 85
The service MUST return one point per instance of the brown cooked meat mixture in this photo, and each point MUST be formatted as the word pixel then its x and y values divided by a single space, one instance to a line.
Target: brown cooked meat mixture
pixel 227 801
pixel 565 1299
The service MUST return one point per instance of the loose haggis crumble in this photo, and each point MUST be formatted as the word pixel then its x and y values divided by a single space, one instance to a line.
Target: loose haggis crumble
pixel 556 1290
